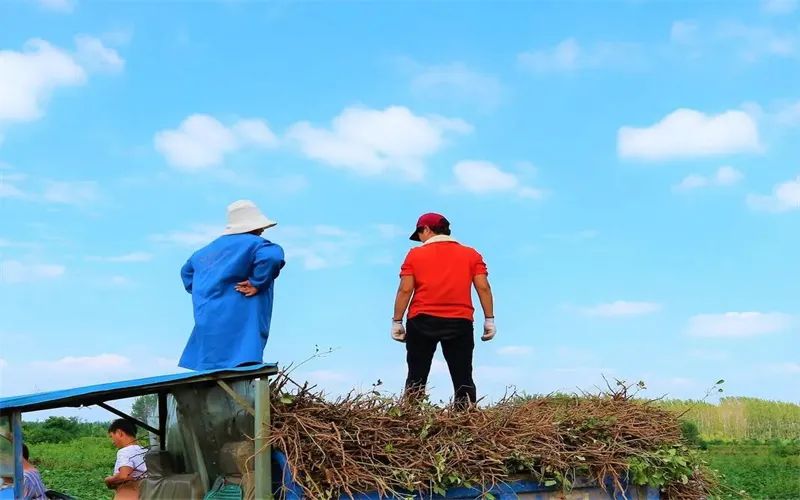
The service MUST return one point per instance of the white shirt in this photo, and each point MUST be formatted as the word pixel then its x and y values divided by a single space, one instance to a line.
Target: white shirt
pixel 131 456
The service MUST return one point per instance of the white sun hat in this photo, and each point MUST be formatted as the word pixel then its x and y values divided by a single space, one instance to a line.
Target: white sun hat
pixel 244 216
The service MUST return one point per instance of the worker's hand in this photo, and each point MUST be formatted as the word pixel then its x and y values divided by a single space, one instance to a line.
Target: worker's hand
pixel 246 288
pixel 398 331
pixel 489 330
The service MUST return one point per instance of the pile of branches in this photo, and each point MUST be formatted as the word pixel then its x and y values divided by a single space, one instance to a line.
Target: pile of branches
pixel 369 442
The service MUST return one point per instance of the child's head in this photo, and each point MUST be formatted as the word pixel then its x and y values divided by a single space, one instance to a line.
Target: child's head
pixel 122 432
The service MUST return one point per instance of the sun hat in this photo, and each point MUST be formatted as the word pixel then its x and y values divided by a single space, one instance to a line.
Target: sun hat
pixel 244 216
pixel 430 220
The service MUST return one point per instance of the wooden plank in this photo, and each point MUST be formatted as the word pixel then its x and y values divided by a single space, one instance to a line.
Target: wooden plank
pixel 263 462
pixel 236 397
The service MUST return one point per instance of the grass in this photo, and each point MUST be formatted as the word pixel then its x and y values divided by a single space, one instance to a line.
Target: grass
pixel 77 467
pixel 763 471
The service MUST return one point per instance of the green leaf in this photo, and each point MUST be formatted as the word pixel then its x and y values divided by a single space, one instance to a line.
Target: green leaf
pixel 550 482
pixel 684 479
pixel 720 381
pixel 286 399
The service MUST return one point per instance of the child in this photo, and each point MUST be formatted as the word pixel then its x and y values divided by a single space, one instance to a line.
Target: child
pixel 33 487
pixel 129 467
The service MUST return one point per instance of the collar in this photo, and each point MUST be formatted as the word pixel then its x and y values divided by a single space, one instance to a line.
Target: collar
pixel 441 238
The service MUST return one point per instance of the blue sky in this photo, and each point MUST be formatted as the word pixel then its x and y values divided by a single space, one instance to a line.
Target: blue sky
pixel 629 170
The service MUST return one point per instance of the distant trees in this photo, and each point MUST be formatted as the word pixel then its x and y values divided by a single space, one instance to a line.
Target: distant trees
pixel 145 407
pixel 61 430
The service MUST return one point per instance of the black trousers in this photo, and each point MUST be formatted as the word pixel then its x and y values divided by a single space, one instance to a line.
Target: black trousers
pixel 423 333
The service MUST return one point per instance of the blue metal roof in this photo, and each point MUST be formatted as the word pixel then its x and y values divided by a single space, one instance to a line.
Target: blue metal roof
pixel 93 394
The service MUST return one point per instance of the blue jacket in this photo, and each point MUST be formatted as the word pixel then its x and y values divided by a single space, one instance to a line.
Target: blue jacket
pixel 229 328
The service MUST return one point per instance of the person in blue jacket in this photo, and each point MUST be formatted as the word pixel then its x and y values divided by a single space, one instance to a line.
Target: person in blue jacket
pixel 232 284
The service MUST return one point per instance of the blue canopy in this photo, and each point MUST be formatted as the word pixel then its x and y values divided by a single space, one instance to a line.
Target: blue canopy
pixel 93 394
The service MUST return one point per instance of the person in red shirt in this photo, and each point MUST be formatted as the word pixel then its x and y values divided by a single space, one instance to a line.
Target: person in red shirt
pixel 437 278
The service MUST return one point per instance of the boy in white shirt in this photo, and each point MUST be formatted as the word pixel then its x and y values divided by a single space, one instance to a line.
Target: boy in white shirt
pixel 130 466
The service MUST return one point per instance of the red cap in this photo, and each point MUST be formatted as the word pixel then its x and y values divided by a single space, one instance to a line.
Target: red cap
pixel 430 220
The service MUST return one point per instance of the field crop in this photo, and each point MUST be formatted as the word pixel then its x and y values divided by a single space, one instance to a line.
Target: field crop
pixel 76 467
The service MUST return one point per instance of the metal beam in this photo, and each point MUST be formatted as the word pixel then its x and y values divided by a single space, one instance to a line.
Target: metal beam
pixel 162 421
pixel 128 417
pixel 16 433
pixel 263 461
pixel 236 397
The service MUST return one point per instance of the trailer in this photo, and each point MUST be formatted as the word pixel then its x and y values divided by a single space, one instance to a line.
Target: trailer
pixel 212 430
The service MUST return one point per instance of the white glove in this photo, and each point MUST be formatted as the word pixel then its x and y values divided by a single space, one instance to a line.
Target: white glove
pixel 488 329
pixel 398 331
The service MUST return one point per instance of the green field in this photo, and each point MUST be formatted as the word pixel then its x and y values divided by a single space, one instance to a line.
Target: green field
pixel 754 444
pixel 76 467
pixel 764 471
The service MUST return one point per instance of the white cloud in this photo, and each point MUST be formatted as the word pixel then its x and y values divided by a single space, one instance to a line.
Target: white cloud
pixel 454 81
pixel 691 182
pixel 319 247
pixel 62 6
pixel 71 192
pixel 778 7
pixel 256 132
pixel 621 308
pixel 574 236
pixel 496 373
pixel 686 133
pixel 391 231
pixel 118 281
pixel 103 363
pixel 14 271
pixel 95 56
pixel 201 141
pixel 738 324
pixel 30 77
pixel 198 235
pixel 725 176
pixel 483 177
pixel 515 350
pixel 785 368
pixel 785 197
pixel 373 142
pixel 8 190
pixel 708 355
pixel 323 377
pixel 570 55
pixel 755 42
pixel 128 257
pixel 789 114
pixel 683 32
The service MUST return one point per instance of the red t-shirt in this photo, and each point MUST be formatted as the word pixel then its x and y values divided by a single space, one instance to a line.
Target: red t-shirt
pixel 443 273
